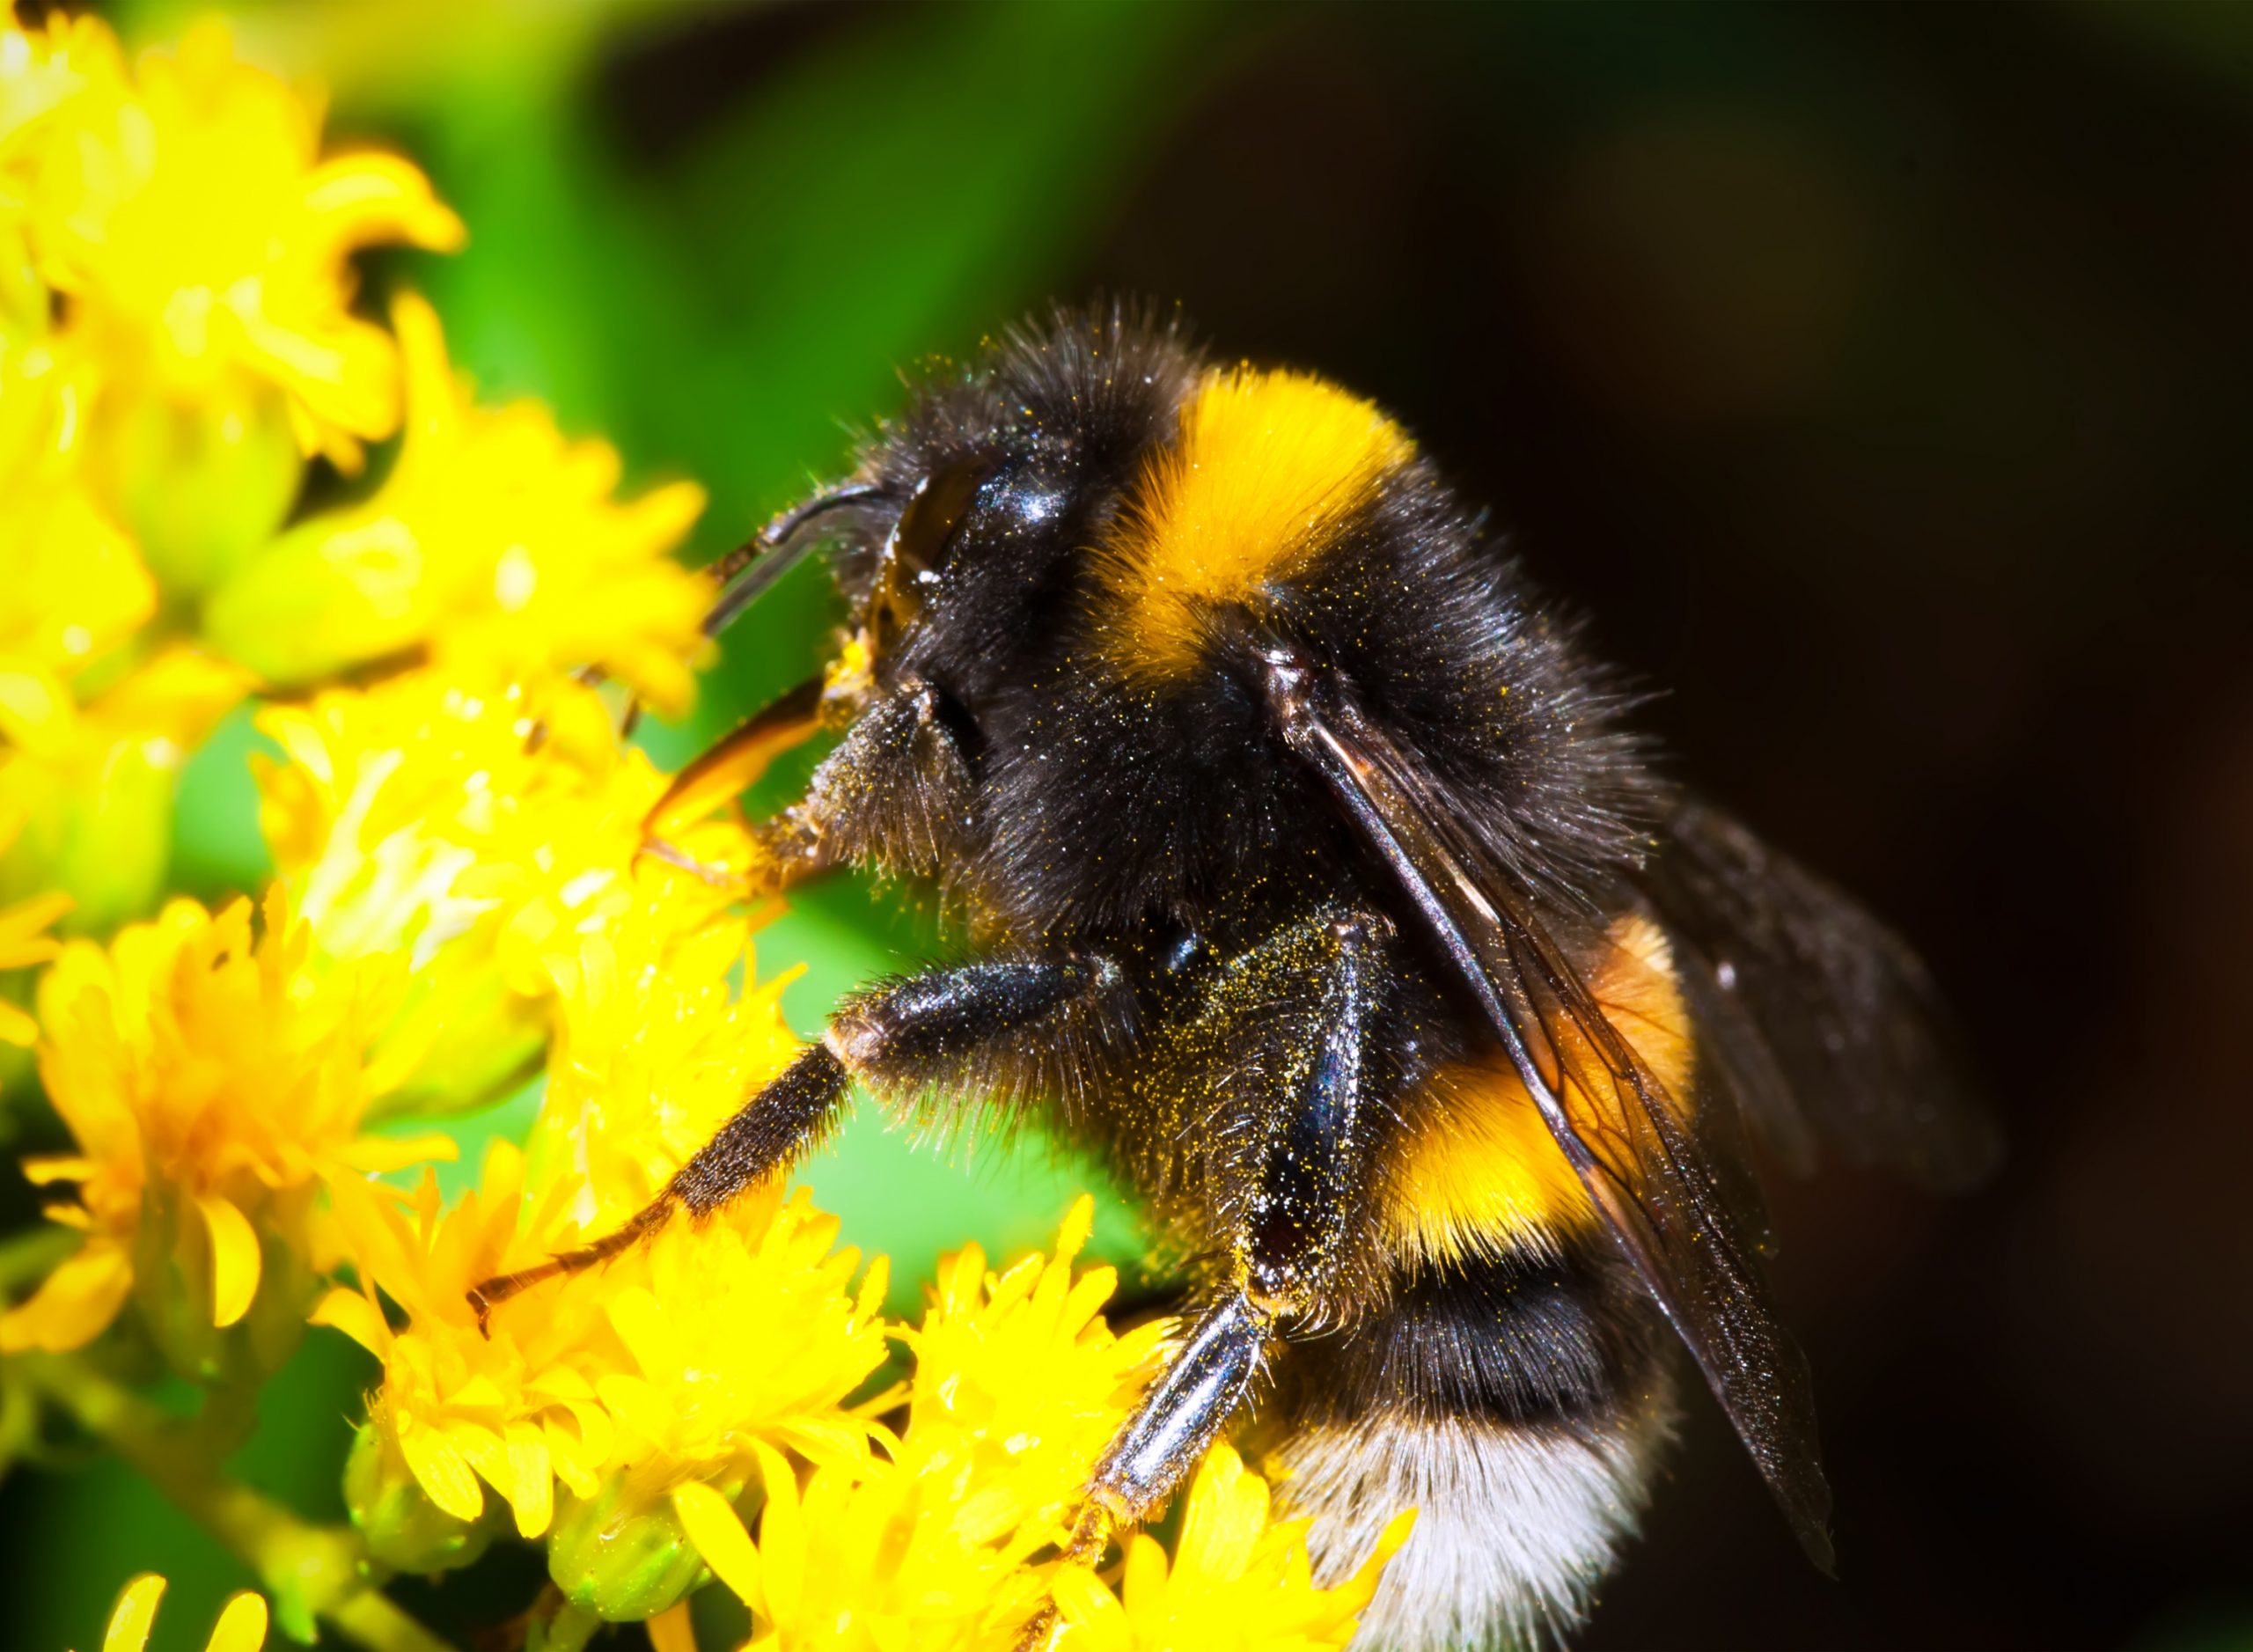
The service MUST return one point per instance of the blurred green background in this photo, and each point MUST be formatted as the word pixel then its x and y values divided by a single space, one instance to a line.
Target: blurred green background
pixel 1876 377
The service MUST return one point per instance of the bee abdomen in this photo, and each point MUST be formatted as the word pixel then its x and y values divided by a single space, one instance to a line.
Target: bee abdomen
pixel 1520 1406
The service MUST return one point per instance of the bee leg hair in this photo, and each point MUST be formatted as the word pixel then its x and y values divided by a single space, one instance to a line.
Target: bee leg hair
pixel 1290 1225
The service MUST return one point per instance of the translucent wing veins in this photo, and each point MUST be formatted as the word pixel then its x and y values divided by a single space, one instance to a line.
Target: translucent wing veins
pixel 1609 1112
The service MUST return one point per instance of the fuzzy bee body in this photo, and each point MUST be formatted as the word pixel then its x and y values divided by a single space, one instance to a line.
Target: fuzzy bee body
pixel 1310 876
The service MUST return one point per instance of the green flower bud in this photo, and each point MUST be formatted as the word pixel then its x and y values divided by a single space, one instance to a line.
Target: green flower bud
pixel 176 1287
pixel 621 1554
pixel 330 595
pixel 104 836
pixel 402 1527
pixel 203 487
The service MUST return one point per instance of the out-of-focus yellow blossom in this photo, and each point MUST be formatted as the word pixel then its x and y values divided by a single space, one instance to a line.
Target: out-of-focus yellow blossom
pixel 24 940
pixel 212 1082
pixel 495 544
pixel 481 834
pixel 90 739
pixel 1237 1582
pixel 42 68
pixel 1019 1386
pixel 203 243
pixel 96 782
pixel 241 1627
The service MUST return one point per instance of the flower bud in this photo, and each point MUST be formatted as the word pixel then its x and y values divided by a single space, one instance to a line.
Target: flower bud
pixel 402 1527
pixel 328 595
pixel 204 485
pixel 621 1554
pixel 192 1295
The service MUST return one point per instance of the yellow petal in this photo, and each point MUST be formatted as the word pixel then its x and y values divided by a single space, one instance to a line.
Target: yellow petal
pixel 1090 1612
pixel 719 1537
pixel 241 1627
pixel 136 1611
pixel 781 1536
pixel 380 1153
pixel 438 1468
pixel 531 1480
pixel 357 1318
pixel 75 1305
pixel 234 1259
pixel 16 1027
pixel 56 1168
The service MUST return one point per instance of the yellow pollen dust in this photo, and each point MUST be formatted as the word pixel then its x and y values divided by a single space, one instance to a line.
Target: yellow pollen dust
pixel 1267 468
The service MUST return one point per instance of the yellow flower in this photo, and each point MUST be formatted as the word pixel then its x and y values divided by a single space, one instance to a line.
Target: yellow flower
pixel 202 242
pixel 24 943
pixel 1018 1385
pixel 24 940
pixel 212 1083
pixel 600 1379
pixel 42 69
pixel 494 543
pixel 1237 1582
pixel 655 1051
pixel 241 1627
pixel 480 834
pixel 1019 1372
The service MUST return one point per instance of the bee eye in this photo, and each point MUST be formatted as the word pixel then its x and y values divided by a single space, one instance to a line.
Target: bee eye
pixel 913 557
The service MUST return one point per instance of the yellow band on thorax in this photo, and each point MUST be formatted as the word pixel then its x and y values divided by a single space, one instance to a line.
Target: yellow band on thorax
pixel 1265 470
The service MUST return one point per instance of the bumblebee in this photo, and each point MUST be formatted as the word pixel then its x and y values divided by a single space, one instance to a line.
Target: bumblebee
pixel 1309 874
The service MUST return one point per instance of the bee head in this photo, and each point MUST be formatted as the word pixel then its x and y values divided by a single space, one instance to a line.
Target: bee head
pixel 963 551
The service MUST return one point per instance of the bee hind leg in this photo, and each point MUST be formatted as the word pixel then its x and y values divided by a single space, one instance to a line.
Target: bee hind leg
pixel 1290 1225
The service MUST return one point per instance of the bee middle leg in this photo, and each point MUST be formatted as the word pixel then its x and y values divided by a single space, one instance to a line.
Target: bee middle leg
pixel 923 1030
pixel 1289 1219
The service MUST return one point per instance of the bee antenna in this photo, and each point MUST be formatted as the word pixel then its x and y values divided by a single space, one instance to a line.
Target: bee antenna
pixel 746 572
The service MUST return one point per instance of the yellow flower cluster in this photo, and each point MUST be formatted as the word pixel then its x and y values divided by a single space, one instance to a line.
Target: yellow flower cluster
pixel 461 902
pixel 213 1083
pixel 177 345
pixel 947 1536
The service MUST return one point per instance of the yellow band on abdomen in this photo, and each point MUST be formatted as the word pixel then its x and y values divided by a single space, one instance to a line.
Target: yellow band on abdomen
pixel 1484 1176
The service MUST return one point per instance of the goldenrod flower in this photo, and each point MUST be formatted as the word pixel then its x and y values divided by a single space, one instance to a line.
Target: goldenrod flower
pixel 495 544
pixel 655 1051
pixel 599 1379
pixel 481 834
pixel 203 243
pixel 212 1082
pixel 1236 1584
pixel 241 1627
pixel 1019 1386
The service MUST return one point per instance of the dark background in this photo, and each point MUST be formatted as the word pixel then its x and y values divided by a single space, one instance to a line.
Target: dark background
pixel 1874 377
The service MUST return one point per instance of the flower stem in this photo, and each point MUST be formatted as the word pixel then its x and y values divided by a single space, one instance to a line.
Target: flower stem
pixel 567 1629
pixel 308 1570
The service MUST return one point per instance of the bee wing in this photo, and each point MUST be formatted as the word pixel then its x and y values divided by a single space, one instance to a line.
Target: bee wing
pixel 1622 1131
pixel 1822 1022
